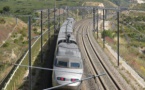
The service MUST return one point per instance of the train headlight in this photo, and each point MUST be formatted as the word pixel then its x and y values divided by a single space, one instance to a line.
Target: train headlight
pixel 61 78
pixel 74 80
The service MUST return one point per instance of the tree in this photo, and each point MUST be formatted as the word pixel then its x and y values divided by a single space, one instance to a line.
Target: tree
pixel 1 11
pixel 6 9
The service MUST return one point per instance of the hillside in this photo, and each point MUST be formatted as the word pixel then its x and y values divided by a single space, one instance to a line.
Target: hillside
pixel 28 6
pixel 13 41
pixel 8 26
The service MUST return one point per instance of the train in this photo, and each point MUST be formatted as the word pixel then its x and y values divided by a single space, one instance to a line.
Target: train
pixel 68 63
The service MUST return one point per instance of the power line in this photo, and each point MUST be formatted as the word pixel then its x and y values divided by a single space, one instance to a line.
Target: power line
pixel 42 68
pixel 93 76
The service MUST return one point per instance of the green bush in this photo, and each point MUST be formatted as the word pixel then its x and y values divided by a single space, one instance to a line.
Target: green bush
pixel 34 29
pixel 21 38
pixel 25 42
pixel 1 11
pixel 6 44
pixel 2 21
pixel 37 33
pixel 16 41
pixel 6 9
pixel 108 33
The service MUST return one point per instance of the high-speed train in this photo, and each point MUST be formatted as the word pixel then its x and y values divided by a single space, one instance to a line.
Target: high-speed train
pixel 67 65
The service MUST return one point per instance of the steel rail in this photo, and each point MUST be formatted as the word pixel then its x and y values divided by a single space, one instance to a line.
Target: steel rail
pixel 92 84
pixel 122 84
pixel 102 64
pixel 92 64
pixel 80 37
pixel 105 87
pixel 97 68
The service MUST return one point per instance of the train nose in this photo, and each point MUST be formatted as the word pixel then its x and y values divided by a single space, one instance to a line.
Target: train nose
pixel 69 81
pixel 65 78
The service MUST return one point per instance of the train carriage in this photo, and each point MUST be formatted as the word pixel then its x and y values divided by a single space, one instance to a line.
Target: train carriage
pixel 67 58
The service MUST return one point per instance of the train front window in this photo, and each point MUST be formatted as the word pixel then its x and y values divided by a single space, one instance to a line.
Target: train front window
pixel 62 63
pixel 75 65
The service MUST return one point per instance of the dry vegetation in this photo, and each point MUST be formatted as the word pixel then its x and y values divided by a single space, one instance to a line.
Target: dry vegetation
pixel 13 41
pixel 93 4
pixel 131 51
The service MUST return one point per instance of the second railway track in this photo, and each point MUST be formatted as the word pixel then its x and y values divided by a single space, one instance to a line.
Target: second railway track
pixel 95 61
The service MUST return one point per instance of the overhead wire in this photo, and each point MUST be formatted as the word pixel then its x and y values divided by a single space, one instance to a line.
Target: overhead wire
pixel 93 76
pixel 43 68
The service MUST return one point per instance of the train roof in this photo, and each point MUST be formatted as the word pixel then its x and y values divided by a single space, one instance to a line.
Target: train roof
pixel 62 36
pixel 68 49
pixel 68 28
pixel 66 58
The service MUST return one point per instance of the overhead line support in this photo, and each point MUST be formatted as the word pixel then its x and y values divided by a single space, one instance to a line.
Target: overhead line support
pixel 30 70
pixel 41 37
pixel 118 54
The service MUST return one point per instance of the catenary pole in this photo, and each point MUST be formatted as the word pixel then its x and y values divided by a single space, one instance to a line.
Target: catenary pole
pixel 49 27
pixel 41 37
pixel 93 19
pixel 97 22
pixel 103 28
pixel 30 70
pixel 118 37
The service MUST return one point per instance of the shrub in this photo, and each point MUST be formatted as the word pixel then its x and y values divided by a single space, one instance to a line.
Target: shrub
pixel 2 21
pixel 6 9
pixel 25 42
pixel 23 32
pixel 6 44
pixel 108 33
pixel 35 29
pixel 1 11
pixel 16 41
pixel 21 38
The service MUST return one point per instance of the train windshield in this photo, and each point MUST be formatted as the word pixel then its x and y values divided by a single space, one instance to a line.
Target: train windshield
pixel 62 63
pixel 75 65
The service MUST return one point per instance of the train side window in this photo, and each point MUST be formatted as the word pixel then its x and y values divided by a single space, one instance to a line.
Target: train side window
pixel 71 41
pixel 75 65
pixel 60 41
pixel 62 64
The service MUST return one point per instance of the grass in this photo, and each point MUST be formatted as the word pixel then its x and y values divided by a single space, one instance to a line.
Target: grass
pixel 133 57
pixel 8 46
pixel 2 20
pixel 27 6
pixel 130 51
pixel 16 42
pixel 17 80
pixel 13 43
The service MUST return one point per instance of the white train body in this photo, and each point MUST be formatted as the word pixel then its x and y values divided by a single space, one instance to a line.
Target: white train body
pixel 67 58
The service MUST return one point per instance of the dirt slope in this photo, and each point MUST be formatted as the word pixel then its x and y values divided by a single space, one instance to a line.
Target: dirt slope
pixel 9 26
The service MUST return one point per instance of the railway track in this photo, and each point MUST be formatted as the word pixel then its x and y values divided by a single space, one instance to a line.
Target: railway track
pixel 107 81
pixel 96 63
pixel 90 84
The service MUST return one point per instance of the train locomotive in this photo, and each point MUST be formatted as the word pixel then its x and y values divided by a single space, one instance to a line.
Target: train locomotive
pixel 67 58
